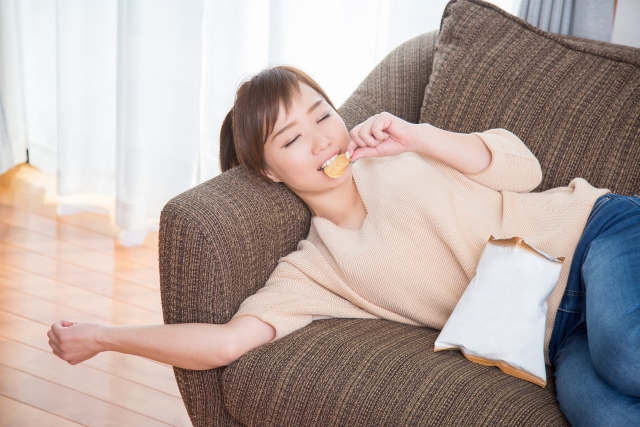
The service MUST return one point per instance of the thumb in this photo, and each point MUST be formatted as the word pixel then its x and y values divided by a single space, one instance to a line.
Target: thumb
pixel 67 323
pixel 364 152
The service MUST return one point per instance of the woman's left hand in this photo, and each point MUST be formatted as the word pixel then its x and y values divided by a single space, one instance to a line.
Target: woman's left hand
pixel 75 343
pixel 382 135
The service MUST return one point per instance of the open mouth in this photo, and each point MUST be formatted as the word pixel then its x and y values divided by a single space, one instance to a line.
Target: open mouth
pixel 331 160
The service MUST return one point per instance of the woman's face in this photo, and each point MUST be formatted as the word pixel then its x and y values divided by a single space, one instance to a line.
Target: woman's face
pixel 303 141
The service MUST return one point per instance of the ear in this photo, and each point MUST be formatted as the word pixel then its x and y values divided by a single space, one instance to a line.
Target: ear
pixel 271 176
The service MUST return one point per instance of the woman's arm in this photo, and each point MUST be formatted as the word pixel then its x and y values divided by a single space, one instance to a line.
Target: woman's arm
pixel 195 346
pixel 496 158
pixel 462 151
pixel 387 135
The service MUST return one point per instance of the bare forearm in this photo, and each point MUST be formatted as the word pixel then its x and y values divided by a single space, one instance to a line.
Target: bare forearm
pixel 464 152
pixel 194 346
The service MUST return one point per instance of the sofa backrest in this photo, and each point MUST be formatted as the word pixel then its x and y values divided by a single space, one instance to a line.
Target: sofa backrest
pixel 575 103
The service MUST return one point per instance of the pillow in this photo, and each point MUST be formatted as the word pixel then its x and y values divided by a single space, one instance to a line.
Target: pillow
pixel 500 318
pixel 574 102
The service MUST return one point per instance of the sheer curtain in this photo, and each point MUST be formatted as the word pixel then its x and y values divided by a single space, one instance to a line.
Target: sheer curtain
pixel 592 19
pixel 126 98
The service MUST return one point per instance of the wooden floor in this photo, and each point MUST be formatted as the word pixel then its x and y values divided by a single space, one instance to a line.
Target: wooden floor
pixel 73 267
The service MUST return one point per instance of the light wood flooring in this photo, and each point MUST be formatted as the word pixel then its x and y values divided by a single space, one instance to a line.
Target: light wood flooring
pixel 73 267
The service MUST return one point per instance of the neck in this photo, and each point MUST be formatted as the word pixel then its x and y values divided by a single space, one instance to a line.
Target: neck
pixel 341 205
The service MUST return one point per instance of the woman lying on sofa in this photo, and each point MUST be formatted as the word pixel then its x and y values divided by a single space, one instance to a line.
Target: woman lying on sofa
pixel 398 236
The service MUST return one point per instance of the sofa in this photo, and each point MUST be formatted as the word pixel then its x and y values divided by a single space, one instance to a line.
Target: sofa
pixel 576 105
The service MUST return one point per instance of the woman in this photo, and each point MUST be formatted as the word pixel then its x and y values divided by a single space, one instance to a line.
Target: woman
pixel 398 236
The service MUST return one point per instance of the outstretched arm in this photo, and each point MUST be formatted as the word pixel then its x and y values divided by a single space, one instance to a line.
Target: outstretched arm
pixel 195 346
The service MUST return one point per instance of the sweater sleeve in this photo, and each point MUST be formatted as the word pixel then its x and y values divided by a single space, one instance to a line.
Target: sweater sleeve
pixel 291 300
pixel 513 166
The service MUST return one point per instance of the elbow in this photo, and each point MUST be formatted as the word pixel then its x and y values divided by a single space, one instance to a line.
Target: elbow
pixel 217 360
pixel 539 180
pixel 222 352
pixel 228 352
pixel 527 181
pixel 533 182
pixel 229 355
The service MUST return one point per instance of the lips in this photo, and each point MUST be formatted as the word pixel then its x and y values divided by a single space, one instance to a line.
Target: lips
pixel 329 160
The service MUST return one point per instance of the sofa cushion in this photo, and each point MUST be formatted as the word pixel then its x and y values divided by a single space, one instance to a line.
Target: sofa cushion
pixel 575 103
pixel 360 372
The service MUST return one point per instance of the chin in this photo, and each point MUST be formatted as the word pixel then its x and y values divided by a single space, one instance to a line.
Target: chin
pixel 320 182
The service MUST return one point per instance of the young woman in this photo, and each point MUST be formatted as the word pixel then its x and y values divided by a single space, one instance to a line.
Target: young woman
pixel 398 236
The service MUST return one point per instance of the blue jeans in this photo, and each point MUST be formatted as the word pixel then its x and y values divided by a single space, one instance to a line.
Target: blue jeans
pixel 595 344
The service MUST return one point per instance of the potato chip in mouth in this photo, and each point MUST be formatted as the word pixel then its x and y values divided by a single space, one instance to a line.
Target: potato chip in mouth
pixel 337 167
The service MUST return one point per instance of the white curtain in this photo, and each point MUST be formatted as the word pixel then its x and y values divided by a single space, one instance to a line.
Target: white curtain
pixel 126 98
pixel 13 140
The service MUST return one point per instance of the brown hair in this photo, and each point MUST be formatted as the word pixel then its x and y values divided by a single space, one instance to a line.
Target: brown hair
pixel 250 121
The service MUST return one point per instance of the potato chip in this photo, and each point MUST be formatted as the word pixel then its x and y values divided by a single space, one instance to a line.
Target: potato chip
pixel 337 167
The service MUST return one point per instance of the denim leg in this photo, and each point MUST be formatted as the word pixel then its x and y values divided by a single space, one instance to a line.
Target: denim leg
pixel 572 307
pixel 611 274
pixel 584 398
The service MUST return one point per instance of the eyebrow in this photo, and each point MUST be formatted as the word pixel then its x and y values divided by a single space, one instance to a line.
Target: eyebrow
pixel 313 107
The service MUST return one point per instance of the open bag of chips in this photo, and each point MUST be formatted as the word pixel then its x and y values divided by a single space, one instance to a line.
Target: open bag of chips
pixel 500 319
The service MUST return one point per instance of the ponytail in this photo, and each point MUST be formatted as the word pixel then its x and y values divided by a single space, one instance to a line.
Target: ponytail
pixel 228 156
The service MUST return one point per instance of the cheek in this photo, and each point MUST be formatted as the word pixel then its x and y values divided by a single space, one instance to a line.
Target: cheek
pixel 341 136
pixel 295 163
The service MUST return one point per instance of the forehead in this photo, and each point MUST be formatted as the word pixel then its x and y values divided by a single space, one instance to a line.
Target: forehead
pixel 306 97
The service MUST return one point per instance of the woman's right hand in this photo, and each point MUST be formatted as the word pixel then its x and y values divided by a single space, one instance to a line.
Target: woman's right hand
pixel 383 135
pixel 75 342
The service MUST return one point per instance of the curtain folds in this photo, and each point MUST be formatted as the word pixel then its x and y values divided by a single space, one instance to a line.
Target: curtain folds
pixel 592 19
pixel 13 141
pixel 125 98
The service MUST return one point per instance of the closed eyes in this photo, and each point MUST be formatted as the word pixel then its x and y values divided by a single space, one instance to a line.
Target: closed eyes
pixel 291 142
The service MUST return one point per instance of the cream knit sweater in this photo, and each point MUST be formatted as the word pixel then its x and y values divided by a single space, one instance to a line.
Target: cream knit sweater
pixel 417 250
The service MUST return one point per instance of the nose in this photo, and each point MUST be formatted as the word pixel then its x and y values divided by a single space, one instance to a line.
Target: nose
pixel 321 143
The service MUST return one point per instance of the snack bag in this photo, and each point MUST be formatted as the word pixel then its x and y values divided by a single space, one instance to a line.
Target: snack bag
pixel 500 318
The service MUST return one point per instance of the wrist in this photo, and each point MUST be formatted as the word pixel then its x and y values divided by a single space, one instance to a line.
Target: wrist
pixel 424 136
pixel 104 337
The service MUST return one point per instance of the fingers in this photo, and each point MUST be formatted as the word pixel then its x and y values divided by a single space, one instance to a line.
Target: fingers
pixel 371 132
pixel 361 134
pixel 56 350
pixel 55 344
pixel 378 126
pixel 364 152
pixel 53 338
pixel 351 148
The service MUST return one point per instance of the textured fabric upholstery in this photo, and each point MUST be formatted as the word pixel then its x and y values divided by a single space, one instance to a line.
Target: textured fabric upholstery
pixel 360 372
pixel 574 102
pixel 220 240
pixel 395 85
pixel 218 244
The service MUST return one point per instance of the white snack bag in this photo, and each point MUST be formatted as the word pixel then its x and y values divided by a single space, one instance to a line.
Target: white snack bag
pixel 500 318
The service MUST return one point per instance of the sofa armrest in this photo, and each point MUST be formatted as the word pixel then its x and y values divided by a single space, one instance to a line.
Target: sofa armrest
pixel 218 244
pixel 220 241
pixel 396 85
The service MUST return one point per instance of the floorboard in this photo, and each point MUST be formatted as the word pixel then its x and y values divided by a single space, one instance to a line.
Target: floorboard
pixel 61 262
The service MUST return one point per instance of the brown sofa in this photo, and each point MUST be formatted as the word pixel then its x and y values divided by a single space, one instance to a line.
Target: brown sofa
pixel 574 102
